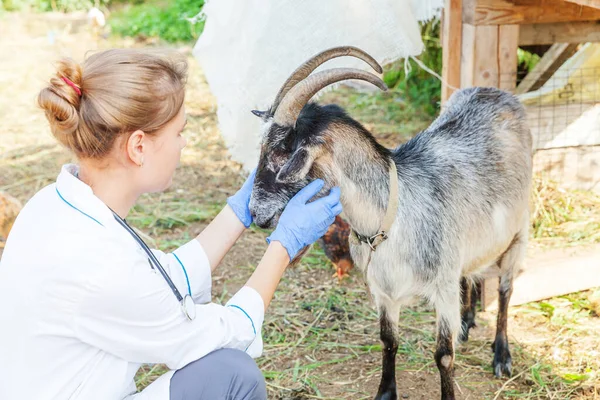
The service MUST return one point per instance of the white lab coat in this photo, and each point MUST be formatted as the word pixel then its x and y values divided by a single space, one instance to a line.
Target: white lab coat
pixel 81 309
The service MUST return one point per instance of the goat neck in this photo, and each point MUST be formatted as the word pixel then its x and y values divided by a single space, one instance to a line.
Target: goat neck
pixel 360 167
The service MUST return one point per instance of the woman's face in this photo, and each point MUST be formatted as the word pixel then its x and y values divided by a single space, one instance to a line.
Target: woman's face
pixel 162 155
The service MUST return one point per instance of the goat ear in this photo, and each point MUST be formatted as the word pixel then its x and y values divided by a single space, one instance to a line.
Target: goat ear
pixel 297 167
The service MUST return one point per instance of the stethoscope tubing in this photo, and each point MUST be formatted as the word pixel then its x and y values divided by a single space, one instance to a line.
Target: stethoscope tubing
pixel 151 256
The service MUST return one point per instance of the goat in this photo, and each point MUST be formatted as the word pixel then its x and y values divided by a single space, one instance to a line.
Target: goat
pixel 458 194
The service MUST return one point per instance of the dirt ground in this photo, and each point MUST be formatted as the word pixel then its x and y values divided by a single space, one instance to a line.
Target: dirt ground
pixel 321 337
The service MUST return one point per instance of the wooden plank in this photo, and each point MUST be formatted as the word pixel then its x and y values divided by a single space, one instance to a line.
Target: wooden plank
pixel 560 32
pixel 562 271
pixel 486 56
pixel 467 58
pixel 552 59
pixel 479 63
pixel 507 12
pixel 451 41
pixel 588 3
pixel 508 43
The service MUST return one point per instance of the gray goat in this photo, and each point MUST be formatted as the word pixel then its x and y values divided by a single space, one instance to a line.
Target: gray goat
pixel 456 199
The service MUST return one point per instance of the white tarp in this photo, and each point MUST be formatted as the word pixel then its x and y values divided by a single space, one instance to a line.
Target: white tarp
pixel 249 47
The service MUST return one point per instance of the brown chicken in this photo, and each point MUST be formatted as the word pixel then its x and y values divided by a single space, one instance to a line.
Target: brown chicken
pixel 336 247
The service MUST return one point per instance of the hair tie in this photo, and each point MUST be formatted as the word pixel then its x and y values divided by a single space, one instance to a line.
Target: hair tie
pixel 68 82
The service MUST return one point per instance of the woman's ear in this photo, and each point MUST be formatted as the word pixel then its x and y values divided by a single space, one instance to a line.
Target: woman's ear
pixel 136 146
pixel 297 166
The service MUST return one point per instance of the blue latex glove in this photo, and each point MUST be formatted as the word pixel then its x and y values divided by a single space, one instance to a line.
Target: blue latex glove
pixel 301 224
pixel 239 201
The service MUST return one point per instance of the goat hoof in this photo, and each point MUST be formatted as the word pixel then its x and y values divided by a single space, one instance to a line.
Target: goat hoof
pixel 387 390
pixel 467 322
pixel 464 334
pixel 387 396
pixel 502 360
pixel 465 328
pixel 503 368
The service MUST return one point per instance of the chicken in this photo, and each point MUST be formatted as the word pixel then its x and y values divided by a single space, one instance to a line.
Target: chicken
pixel 336 247
pixel 9 209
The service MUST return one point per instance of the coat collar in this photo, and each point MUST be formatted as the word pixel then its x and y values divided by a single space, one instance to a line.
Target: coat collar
pixel 80 196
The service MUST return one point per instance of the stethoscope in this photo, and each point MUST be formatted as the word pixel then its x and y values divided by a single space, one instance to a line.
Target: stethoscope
pixel 187 304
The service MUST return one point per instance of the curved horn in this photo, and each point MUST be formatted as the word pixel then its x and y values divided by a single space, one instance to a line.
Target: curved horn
pixel 299 95
pixel 309 66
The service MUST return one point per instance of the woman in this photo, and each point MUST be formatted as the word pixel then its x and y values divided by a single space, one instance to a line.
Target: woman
pixel 82 302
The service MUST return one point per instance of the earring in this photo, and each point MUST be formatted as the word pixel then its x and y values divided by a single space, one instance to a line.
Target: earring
pixel 142 162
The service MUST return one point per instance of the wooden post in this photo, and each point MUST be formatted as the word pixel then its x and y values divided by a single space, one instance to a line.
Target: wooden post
pixel 451 33
pixel 479 63
pixel 508 43
pixel 489 56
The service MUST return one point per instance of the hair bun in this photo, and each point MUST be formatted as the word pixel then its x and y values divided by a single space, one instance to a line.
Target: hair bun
pixel 123 90
pixel 60 101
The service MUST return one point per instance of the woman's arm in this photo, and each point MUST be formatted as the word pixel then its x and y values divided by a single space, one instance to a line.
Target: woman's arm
pixel 269 271
pixel 300 225
pixel 220 235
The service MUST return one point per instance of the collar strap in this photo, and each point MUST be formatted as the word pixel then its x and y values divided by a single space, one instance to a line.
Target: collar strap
pixel 390 215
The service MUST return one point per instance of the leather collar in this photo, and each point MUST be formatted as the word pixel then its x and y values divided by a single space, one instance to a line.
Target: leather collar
pixel 390 215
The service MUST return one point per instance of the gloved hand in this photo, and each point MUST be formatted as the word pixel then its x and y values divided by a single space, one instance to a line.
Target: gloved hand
pixel 301 224
pixel 239 201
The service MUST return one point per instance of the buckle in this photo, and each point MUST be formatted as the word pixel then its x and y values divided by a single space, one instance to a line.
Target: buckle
pixel 371 240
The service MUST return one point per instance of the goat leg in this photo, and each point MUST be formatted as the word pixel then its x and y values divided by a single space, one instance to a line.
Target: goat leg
pixel 502 363
pixel 447 307
pixel 470 293
pixel 389 336
pixel 508 263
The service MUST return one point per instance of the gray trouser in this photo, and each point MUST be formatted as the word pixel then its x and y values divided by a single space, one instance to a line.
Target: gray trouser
pixel 226 374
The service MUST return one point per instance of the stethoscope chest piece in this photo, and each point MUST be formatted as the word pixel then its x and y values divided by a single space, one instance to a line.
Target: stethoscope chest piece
pixel 189 309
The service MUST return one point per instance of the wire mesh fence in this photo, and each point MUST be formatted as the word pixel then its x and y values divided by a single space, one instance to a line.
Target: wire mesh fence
pixel 563 110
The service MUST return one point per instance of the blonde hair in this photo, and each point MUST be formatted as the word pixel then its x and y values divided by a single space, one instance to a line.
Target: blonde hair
pixel 122 90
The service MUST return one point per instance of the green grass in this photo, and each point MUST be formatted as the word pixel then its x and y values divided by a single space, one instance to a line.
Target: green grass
pixel 419 87
pixel 391 115
pixel 166 214
pixel 49 5
pixel 170 21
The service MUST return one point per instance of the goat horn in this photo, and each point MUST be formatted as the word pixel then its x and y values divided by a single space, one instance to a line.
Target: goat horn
pixel 299 95
pixel 309 66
